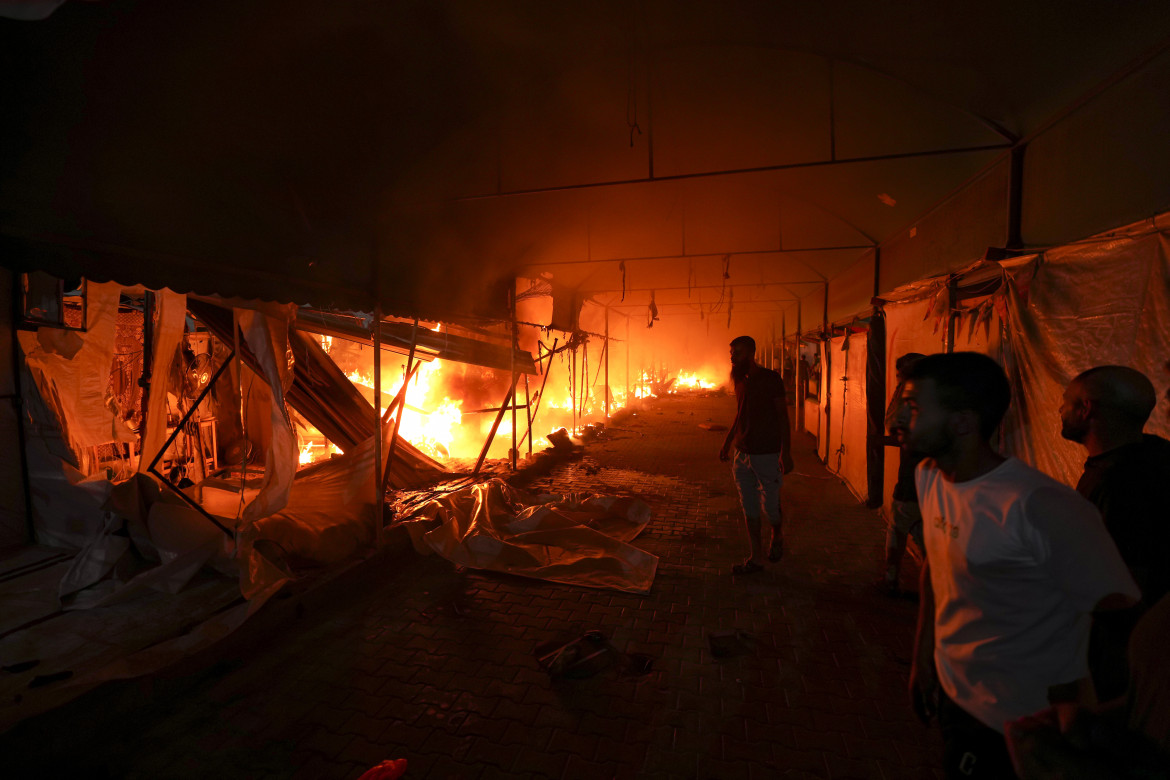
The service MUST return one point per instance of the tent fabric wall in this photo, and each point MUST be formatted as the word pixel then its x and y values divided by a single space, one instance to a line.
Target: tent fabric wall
pixel 1094 303
pixel 848 425
pixel 13 523
pixel 72 368
pixel 170 312
pixel 823 421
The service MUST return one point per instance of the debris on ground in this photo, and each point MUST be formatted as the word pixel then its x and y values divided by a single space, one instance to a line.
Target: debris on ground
pixel 728 644
pixel 588 655
pixel 391 769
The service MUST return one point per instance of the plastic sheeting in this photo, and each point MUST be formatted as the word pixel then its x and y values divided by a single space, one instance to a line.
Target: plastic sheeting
pixel 1104 302
pixel 170 312
pixel 848 433
pixel 72 371
pixel 571 539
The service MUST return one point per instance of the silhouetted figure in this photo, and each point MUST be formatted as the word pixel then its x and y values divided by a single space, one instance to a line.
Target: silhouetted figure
pixel 1015 564
pixel 762 443
pixel 1127 477
pixel 906 518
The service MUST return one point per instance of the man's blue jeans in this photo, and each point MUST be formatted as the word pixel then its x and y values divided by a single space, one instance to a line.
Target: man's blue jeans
pixel 758 478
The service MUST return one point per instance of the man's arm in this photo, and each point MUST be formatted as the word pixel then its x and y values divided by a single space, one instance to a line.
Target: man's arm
pixel 786 464
pixel 725 450
pixel 923 676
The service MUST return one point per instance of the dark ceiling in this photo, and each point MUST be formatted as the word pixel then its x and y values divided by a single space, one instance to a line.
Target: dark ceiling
pixel 272 148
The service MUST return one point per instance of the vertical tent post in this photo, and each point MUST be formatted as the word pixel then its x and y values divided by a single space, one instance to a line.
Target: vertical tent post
pixel 628 401
pixel 495 427
pixel 802 386
pixel 378 475
pixel 147 363
pixel 400 405
pixel 18 406
pixel 528 413
pixel 512 360
pixel 607 362
pixel 540 393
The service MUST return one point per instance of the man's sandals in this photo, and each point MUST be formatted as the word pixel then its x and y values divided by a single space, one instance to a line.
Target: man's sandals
pixel 751 567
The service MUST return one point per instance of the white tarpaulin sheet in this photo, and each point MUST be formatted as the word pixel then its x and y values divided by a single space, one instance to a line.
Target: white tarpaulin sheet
pixel 1090 304
pixel 848 422
pixel 576 540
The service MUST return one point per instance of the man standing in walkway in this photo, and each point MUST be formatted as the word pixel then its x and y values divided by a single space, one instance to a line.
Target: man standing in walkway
pixel 761 441
pixel 1126 476
pixel 905 518
pixel 1015 564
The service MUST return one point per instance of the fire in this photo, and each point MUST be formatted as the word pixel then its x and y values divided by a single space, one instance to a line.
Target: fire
pixel 691 382
pixel 432 431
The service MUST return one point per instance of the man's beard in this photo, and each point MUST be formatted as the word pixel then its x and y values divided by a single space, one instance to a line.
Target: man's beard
pixel 739 371
pixel 1073 433
pixel 931 444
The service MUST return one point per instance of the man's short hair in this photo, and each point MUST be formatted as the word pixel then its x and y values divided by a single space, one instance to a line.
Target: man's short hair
pixel 1125 390
pixel 744 341
pixel 907 361
pixel 968 381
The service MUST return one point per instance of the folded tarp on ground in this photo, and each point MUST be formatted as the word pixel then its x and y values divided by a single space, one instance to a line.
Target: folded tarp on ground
pixel 572 539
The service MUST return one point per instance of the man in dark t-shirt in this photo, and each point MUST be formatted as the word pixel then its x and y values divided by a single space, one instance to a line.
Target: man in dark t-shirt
pixel 761 441
pixel 1127 477
pixel 905 519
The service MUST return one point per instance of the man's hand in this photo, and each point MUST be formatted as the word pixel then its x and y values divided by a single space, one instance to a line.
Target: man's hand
pixel 786 464
pixel 724 453
pixel 924 690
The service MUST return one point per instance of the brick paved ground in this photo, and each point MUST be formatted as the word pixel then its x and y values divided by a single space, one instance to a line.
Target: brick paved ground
pixel 437 666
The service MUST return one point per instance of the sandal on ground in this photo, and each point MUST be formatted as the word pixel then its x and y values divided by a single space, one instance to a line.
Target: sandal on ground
pixel 747 567
pixel 776 553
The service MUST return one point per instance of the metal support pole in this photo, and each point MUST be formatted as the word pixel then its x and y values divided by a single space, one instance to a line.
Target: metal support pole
pixel 379 476
pixel 528 414
pixel 147 364
pixel 628 399
pixel 495 427
pixel 540 396
pixel 18 407
pixel 607 363
pixel 171 440
pixel 512 361
pixel 399 402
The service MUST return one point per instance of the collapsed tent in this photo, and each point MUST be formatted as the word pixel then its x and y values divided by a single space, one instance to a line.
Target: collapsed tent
pixel 572 539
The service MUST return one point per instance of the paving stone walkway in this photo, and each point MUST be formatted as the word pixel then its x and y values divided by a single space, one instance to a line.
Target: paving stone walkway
pixel 436 665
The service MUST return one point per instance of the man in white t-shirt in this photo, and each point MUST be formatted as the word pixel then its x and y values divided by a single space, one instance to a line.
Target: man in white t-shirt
pixel 1015 564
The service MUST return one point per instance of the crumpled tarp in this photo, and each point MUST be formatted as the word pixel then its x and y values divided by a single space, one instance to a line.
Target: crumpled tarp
pixel 572 539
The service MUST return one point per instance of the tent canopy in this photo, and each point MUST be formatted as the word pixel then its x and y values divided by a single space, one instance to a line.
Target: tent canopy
pixel 276 150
